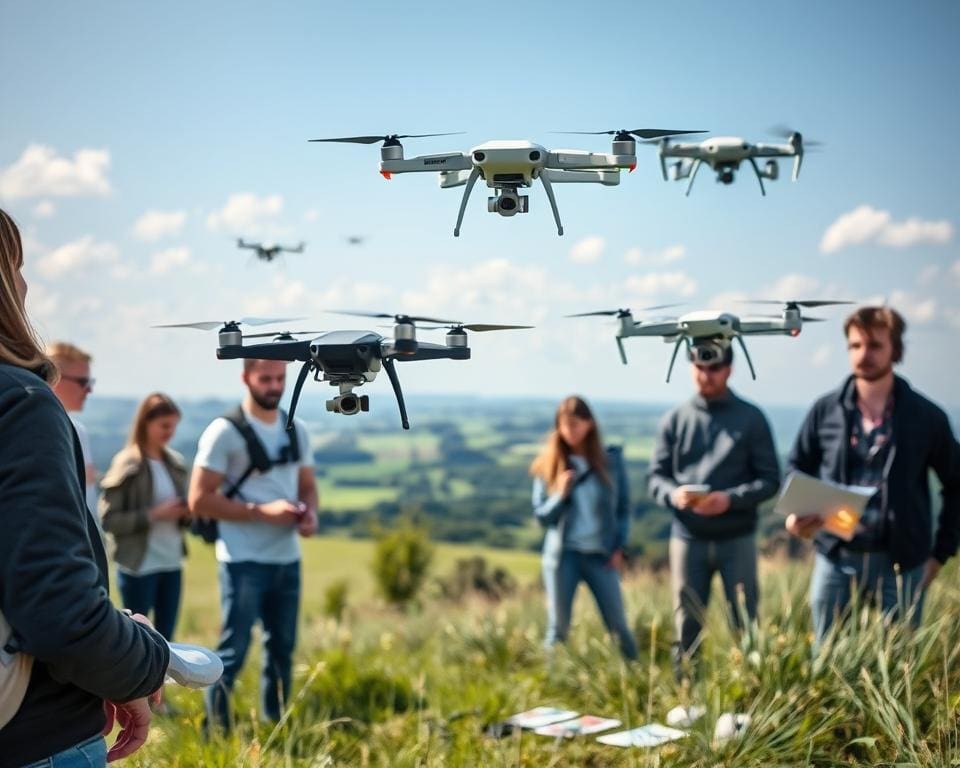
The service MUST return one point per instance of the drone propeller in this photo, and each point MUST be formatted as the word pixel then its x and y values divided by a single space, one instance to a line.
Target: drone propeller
pixel 291 334
pixel 395 318
pixel 796 304
pixel 476 327
pixel 804 318
pixel 640 133
pixel 785 132
pixel 389 137
pixel 621 312
pixel 209 325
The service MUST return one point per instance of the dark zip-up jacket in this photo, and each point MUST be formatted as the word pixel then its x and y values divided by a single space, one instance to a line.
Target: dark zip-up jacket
pixel 922 440
pixel 53 583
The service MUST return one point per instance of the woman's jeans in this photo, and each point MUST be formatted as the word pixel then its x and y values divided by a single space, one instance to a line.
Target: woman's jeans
pixel 604 582
pixel 92 753
pixel 156 592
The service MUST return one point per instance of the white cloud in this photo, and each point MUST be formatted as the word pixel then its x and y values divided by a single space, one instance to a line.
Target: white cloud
pixel 588 250
pixel 792 287
pixel 154 225
pixel 42 303
pixel 312 215
pixel 928 274
pixel 668 255
pixel 868 224
pixel 40 172
pixel 164 261
pixel 915 309
pixel 44 209
pixel 80 254
pixel 245 213
pixel 654 283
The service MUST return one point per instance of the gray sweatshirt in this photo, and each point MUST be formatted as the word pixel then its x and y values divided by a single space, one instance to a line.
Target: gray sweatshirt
pixel 724 443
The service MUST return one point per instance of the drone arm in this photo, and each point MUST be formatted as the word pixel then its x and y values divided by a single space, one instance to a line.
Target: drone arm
pixel 548 187
pixel 474 175
pixel 568 160
pixel 304 372
pixel 743 346
pixel 673 357
pixel 451 161
pixel 756 170
pixel 288 351
pixel 609 178
pixel 693 174
pixel 391 370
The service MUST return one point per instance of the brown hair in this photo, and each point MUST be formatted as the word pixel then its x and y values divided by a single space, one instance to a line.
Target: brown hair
pixel 553 458
pixel 870 319
pixel 64 352
pixel 19 344
pixel 154 406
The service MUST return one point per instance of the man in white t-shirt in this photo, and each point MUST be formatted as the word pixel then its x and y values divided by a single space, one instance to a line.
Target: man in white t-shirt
pixel 71 389
pixel 257 547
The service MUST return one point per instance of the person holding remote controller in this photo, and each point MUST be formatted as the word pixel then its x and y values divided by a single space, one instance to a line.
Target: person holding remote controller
pixel 713 464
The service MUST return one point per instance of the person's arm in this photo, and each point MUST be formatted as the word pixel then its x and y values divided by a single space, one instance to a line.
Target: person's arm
pixel 205 500
pixel 117 520
pixel 548 508
pixel 763 467
pixel 623 500
pixel 660 482
pixel 307 493
pixel 51 590
pixel 945 461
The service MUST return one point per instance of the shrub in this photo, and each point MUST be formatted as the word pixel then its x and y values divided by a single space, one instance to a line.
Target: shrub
pixel 401 560
pixel 335 599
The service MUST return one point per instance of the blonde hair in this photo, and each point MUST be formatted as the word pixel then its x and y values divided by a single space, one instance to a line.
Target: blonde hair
pixel 19 344
pixel 63 352
pixel 154 406
pixel 554 457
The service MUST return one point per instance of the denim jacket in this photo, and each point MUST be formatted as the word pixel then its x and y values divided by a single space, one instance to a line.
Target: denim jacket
pixel 551 510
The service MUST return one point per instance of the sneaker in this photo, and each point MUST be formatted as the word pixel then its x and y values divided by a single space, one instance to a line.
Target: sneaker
pixel 685 717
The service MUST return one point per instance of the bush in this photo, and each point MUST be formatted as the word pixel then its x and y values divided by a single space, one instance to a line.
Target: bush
pixel 335 599
pixel 470 574
pixel 401 560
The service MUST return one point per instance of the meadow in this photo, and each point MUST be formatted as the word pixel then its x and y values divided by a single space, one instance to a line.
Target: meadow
pixel 415 687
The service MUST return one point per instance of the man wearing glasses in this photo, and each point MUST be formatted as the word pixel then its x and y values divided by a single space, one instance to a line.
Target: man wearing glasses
pixel 713 464
pixel 71 390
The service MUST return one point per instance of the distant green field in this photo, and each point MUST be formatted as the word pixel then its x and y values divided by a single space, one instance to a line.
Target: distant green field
pixel 342 497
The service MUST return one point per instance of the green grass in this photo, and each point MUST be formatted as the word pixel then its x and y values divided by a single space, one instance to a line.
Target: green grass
pixel 392 688
pixel 358 498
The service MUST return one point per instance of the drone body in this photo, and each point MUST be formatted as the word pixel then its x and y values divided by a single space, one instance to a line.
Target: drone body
pixel 508 166
pixel 269 251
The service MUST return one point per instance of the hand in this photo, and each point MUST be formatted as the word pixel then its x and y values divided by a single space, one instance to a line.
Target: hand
pixel 930 571
pixel 173 509
pixel 279 512
pixel 566 481
pixel 714 503
pixel 803 526
pixel 681 498
pixel 308 522
pixel 616 560
pixel 134 719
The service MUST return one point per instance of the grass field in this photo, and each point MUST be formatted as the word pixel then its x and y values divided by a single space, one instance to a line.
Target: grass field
pixel 391 688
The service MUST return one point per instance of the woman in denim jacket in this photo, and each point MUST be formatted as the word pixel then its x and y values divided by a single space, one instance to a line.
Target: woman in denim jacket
pixel 580 496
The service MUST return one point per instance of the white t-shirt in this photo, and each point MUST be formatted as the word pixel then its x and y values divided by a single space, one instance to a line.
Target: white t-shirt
pixel 91 491
pixel 164 544
pixel 222 449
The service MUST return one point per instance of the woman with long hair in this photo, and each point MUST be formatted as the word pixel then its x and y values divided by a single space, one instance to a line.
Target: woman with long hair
pixel 69 661
pixel 580 495
pixel 144 512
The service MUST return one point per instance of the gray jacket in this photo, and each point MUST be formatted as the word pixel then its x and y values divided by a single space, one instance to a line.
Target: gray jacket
pixel 551 511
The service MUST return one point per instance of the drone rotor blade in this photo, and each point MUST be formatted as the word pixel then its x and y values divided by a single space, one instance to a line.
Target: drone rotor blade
pixel 208 325
pixel 481 327
pixel 425 135
pixel 280 333
pixel 375 139
pixel 658 133
pixel 599 313
pixel 267 320
pixel 395 317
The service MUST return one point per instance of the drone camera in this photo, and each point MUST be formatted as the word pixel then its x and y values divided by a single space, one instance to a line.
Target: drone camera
pixel 535 155
pixel 771 170
pixel 708 353
pixel 349 404
pixel 479 156
pixel 508 203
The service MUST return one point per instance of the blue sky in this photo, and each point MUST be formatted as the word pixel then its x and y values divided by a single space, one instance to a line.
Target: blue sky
pixel 141 139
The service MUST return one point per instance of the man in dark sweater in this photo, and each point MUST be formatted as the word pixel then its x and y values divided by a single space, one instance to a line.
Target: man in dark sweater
pixel 714 462
pixel 876 430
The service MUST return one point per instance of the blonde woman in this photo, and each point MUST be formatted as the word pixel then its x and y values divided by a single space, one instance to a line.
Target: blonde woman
pixel 143 509
pixel 580 495
pixel 70 662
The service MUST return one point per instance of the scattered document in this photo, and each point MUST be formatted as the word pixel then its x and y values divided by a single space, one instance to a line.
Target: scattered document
pixel 541 716
pixel 840 506
pixel 582 726
pixel 652 735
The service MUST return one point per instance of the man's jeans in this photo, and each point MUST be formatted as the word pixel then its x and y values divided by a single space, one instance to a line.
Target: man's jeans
pixel 156 592
pixel 692 565
pixel 251 591
pixel 561 584
pixel 92 753
pixel 873 576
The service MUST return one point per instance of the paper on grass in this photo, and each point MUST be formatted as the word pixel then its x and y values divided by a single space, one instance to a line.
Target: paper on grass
pixel 652 735
pixel 841 506
pixel 582 726
pixel 541 716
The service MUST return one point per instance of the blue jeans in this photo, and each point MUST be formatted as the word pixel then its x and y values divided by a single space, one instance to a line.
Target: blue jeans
pixel 248 592
pixel 561 584
pixel 157 592
pixel 92 753
pixel 872 575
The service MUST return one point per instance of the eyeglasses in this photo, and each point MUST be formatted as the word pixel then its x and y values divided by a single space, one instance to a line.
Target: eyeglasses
pixel 85 382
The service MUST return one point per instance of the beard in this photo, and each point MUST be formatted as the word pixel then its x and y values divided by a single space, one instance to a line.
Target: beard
pixel 873 373
pixel 269 401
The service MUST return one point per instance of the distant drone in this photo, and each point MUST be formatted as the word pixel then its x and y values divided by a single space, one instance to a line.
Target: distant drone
pixel 270 251
pixel 725 153
pixel 355 239
pixel 507 166
pixel 707 334
pixel 345 359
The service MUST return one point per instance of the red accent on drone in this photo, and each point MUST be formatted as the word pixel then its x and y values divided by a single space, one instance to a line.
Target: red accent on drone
pixel 795 332
pixel 387 175
pixel 632 168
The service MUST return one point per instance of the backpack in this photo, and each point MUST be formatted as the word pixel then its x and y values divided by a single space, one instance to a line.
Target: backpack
pixel 206 528
pixel 15 670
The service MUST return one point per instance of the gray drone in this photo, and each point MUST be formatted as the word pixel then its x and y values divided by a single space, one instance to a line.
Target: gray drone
pixel 707 334
pixel 268 252
pixel 508 166
pixel 345 359
pixel 725 153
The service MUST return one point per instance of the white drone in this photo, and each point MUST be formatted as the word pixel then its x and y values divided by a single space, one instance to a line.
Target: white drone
pixel 269 251
pixel 708 334
pixel 725 153
pixel 507 166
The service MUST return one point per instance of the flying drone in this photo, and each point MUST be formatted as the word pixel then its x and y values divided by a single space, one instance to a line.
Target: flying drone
pixel 268 252
pixel 345 359
pixel 508 166
pixel 707 334
pixel 725 153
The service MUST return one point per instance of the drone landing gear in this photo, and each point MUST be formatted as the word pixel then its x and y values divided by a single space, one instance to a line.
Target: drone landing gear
pixel 548 187
pixel 390 367
pixel 474 175
pixel 676 348
pixel 301 378
pixel 693 174
pixel 756 170
pixel 743 346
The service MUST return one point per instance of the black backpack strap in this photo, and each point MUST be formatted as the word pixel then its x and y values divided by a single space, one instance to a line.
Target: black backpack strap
pixel 259 460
